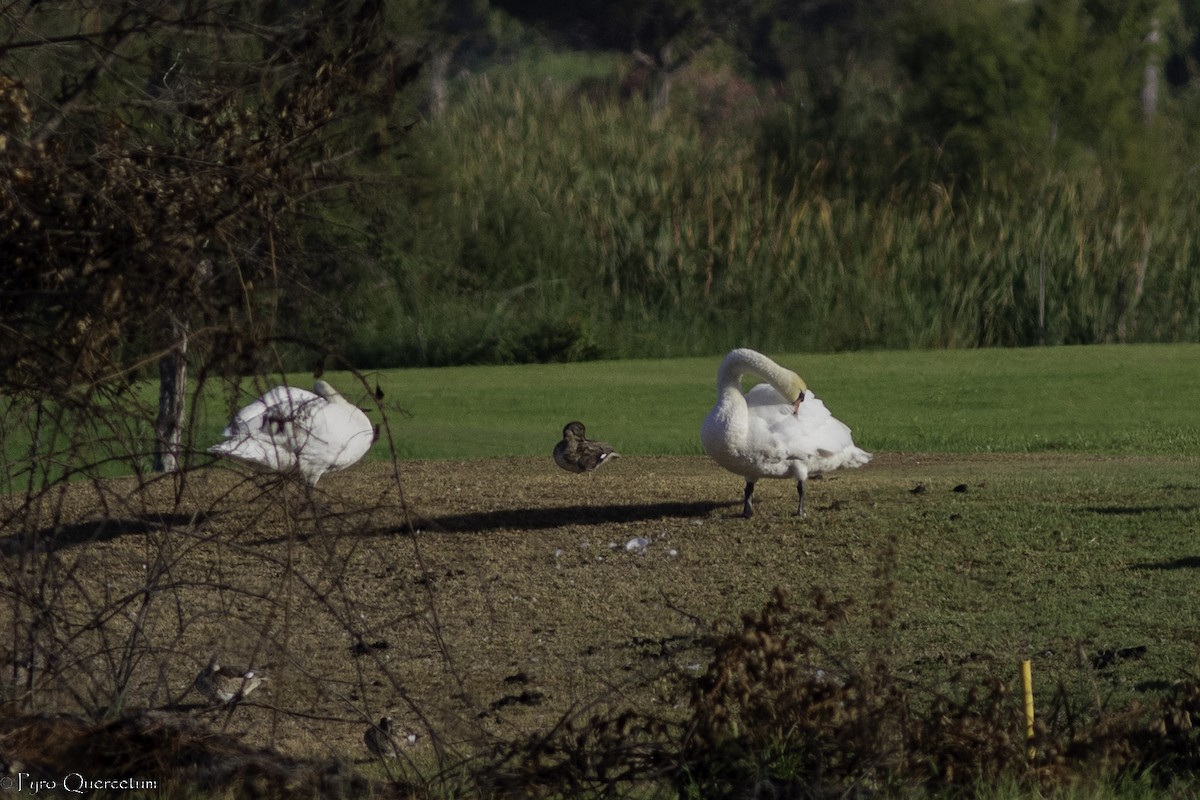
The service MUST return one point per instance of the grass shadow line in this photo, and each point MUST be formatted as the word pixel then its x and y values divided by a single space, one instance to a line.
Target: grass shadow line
pixel 558 516
pixel 1188 562
pixel 1135 510
pixel 525 518
pixel 61 537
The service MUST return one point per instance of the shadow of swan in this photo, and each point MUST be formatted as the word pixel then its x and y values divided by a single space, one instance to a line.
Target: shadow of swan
pixel 1136 510
pixel 517 519
pixel 61 537
pixel 555 517
pixel 1188 562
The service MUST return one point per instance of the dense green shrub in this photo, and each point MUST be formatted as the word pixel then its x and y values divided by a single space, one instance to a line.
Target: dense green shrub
pixel 548 220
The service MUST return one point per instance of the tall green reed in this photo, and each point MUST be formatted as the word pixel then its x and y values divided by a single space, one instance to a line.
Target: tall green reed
pixel 583 221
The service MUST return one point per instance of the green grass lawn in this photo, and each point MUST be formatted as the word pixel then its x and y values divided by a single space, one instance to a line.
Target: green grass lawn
pixel 1080 557
pixel 1102 399
pixel 1132 399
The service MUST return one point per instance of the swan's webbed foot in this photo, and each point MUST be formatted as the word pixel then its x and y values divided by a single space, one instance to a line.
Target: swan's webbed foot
pixel 747 506
pixel 800 493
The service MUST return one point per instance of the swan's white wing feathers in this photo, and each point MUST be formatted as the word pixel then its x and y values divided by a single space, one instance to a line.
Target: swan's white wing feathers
pixel 282 401
pixel 338 435
pixel 289 428
pixel 812 435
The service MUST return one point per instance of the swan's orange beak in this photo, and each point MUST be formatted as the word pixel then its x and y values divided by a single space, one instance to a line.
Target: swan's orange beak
pixel 796 405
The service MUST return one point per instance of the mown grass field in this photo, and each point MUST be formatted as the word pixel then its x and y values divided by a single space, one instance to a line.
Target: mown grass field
pixel 1135 399
pixel 1023 504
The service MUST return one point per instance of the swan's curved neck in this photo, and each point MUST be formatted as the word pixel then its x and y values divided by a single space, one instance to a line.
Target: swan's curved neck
pixel 749 362
pixel 324 390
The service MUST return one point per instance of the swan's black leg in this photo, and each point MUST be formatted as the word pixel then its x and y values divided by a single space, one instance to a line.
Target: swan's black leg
pixel 747 506
pixel 800 492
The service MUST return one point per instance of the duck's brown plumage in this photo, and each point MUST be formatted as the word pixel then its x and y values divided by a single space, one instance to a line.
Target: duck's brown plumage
pixel 378 739
pixel 226 684
pixel 384 741
pixel 577 453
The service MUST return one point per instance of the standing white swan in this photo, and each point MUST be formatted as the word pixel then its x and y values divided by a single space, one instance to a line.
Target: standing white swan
pixel 778 429
pixel 292 429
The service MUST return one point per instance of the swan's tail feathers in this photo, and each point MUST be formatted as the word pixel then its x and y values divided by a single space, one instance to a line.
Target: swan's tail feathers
pixel 856 456
pixel 254 451
pixel 226 448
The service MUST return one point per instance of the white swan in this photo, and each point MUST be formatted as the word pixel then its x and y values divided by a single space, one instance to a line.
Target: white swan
pixel 292 429
pixel 778 429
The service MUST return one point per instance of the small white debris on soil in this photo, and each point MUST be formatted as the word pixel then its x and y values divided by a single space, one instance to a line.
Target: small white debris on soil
pixel 639 543
pixel 672 552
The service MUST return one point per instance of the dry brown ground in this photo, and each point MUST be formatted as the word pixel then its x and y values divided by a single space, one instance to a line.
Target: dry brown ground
pixel 469 600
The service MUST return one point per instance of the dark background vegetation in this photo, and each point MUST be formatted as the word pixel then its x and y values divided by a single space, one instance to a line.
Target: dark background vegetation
pixel 469 182
pixel 243 189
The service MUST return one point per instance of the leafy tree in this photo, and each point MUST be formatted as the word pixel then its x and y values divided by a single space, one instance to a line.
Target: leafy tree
pixel 818 39
pixel 157 158
pixel 663 36
pixel 972 87
pixel 1033 84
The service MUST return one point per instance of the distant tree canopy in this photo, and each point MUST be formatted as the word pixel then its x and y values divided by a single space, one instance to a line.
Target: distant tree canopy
pixel 1032 84
pixel 998 90
pixel 624 25
pixel 232 167
pixel 988 85
pixel 155 158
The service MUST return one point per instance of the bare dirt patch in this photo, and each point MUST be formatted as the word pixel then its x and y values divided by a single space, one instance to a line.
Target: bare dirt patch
pixel 472 601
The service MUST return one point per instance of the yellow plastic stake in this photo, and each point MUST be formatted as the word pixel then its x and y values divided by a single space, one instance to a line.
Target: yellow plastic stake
pixel 1027 684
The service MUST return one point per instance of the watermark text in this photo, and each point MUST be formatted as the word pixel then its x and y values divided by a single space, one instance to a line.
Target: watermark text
pixel 72 783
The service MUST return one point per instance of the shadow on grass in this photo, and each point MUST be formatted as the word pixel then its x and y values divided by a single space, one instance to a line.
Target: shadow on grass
pixel 527 519
pixel 519 519
pixel 558 516
pixel 62 537
pixel 1136 510
pixel 1190 562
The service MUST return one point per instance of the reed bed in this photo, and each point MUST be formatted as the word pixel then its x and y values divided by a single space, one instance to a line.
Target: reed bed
pixel 546 223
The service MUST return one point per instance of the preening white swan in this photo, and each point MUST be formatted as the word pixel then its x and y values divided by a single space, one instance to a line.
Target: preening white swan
pixel 292 429
pixel 778 429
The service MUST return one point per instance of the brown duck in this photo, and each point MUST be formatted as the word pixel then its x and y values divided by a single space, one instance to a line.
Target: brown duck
pixel 226 684
pixel 385 741
pixel 577 453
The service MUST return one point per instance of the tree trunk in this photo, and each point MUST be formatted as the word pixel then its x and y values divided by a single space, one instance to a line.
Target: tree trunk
pixel 439 67
pixel 662 94
pixel 1150 74
pixel 662 82
pixel 172 387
